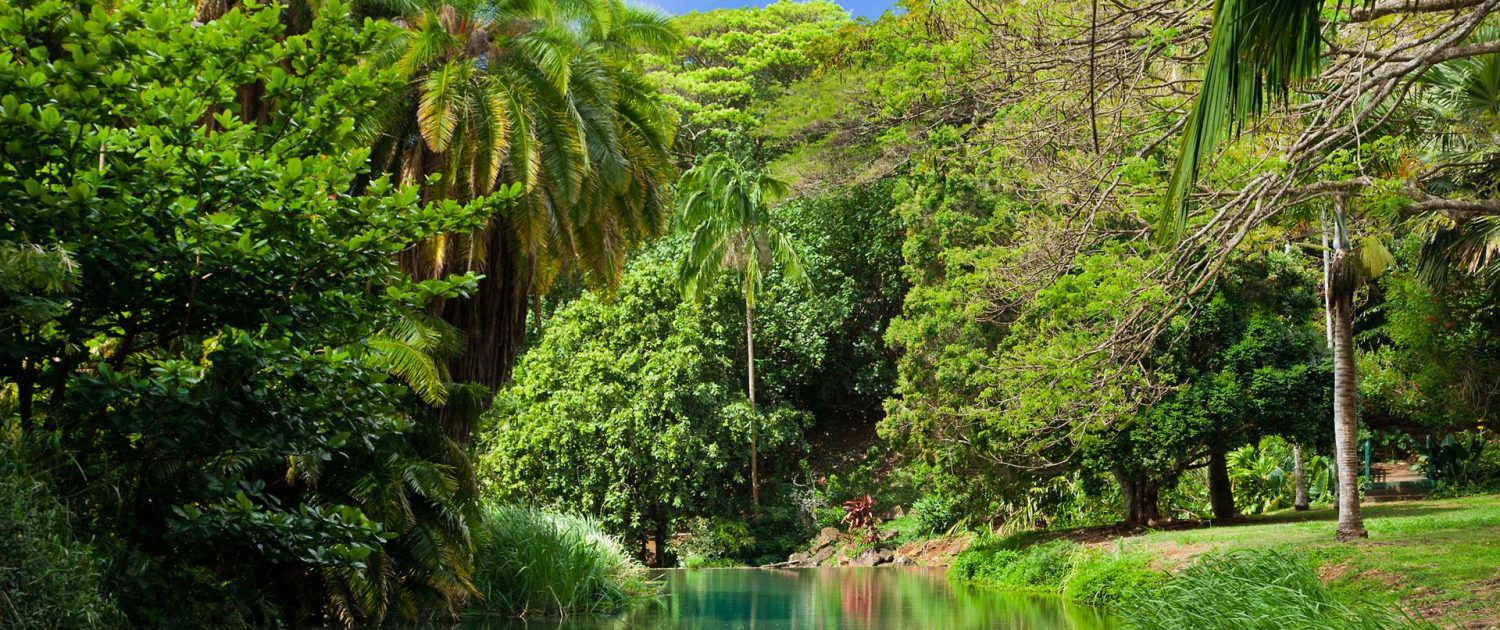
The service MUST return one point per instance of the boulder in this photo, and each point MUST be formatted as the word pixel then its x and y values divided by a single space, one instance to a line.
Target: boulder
pixel 826 536
pixel 874 558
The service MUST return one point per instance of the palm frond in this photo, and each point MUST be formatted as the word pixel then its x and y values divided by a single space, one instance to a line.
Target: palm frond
pixel 1256 51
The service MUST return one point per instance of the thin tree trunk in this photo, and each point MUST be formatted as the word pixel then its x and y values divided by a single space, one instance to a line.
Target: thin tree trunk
pixel 1345 411
pixel 754 411
pixel 1328 321
pixel 1220 492
pixel 1299 476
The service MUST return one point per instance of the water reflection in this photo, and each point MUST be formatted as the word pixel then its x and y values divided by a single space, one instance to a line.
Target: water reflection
pixel 855 598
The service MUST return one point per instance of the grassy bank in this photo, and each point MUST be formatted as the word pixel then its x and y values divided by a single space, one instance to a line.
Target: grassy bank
pixel 1434 560
pixel 533 563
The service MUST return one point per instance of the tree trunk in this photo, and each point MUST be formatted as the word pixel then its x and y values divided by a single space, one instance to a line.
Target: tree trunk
pixel 1345 418
pixel 754 411
pixel 1299 479
pixel 1140 497
pixel 1220 492
pixel 1345 403
pixel 493 322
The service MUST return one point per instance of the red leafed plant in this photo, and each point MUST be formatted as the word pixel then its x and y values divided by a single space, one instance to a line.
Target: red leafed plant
pixel 859 514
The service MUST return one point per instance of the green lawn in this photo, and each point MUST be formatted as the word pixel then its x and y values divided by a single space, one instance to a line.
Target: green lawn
pixel 1439 558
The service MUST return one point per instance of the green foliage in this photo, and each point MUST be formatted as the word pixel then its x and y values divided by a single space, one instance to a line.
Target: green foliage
pixel 48 579
pixel 221 379
pixel 1043 567
pixel 933 515
pixel 1464 463
pixel 734 59
pixel 1263 476
pixel 1412 373
pixel 1255 589
pixel 711 541
pixel 534 563
pixel 631 409
pixel 1116 581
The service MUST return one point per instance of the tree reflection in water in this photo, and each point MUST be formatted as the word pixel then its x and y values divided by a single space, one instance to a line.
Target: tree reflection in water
pixel 885 598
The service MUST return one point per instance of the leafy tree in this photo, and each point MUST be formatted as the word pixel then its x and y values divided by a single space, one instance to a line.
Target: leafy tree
pixel 627 410
pixel 734 61
pixel 218 341
pixel 726 214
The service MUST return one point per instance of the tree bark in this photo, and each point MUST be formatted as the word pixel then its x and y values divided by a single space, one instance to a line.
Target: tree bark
pixel 1220 491
pixel 754 411
pixel 493 321
pixel 1345 404
pixel 1345 418
pixel 1140 497
pixel 1299 479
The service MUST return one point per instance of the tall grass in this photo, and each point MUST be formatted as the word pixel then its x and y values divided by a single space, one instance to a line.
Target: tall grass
pixel 532 563
pixel 48 578
pixel 1256 589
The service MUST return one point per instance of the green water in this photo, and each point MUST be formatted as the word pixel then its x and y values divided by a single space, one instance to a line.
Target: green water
pixel 880 598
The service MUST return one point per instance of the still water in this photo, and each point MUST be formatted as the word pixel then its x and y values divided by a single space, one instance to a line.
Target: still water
pixel 885 598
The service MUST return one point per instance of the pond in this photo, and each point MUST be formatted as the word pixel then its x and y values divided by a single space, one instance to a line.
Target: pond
pixel 827 598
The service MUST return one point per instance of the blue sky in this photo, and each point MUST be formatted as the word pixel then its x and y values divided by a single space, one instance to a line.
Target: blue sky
pixel 865 8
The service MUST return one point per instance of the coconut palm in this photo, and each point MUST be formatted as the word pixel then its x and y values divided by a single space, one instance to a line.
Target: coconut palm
pixel 547 100
pixel 1257 50
pixel 724 209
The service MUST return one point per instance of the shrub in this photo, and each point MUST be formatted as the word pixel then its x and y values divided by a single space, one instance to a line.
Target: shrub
pixel 48 579
pixel 1111 580
pixel 933 515
pixel 712 542
pixel 1253 590
pixel 529 562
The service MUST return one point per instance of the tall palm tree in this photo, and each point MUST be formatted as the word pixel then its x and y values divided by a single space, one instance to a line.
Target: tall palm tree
pixel 547 97
pixel 1257 50
pixel 725 209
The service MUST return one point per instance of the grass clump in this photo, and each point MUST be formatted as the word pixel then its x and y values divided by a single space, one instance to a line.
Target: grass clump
pixel 1042 567
pixel 48 579
pixel 1115 581
pixel 529 562
pixel 1252 590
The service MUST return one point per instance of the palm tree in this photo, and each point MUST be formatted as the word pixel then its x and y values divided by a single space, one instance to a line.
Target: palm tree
pixel 1257 50
pixel 1458 109
pixel 549 98
pixel 724 208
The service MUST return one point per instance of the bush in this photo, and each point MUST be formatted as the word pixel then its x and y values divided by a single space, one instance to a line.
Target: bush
pixel 529 562
pixel 1111 580
pixel 712 542
pixel 47 578
pixel 1253 590
pixel 933 515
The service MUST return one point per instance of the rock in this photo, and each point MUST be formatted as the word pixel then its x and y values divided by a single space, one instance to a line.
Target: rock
pixel 797 559
pixel 820 556
pixel 874 558
pixel 903 561
pixel 826 536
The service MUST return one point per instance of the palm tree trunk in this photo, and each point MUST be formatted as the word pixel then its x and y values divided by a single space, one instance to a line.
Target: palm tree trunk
pixel 1345 403
pixel 1299 477
pixel 754 412
pixel 493 321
